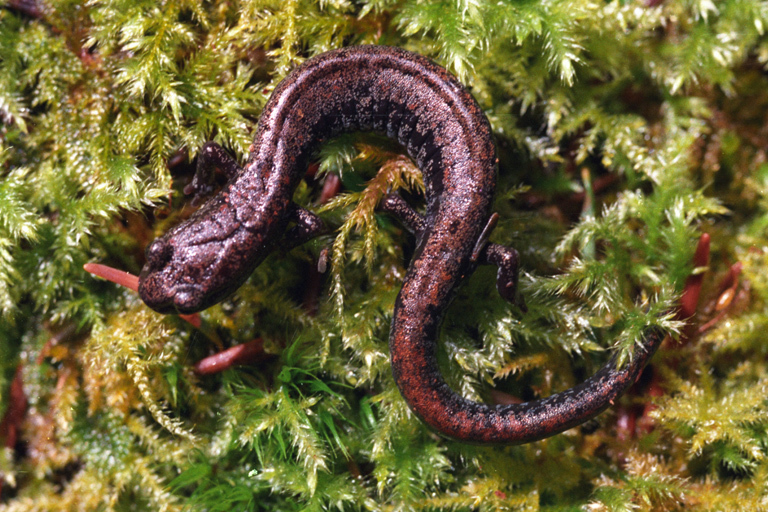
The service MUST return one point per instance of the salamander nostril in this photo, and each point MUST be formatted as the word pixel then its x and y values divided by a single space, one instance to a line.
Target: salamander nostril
pixel 159 253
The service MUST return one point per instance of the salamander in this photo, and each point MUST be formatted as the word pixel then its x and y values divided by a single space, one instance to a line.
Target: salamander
pixel 442 128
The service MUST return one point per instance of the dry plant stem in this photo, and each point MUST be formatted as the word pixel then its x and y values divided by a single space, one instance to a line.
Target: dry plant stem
pixel 728 288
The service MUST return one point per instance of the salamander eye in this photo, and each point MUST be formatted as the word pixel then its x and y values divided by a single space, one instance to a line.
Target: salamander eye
pixel 159 253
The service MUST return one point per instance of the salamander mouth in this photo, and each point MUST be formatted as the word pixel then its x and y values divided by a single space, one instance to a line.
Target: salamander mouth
pixel 165 298
pixel 187 298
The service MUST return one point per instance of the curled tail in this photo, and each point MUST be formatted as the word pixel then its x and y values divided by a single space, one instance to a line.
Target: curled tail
pixel 412 344
pixel 442 260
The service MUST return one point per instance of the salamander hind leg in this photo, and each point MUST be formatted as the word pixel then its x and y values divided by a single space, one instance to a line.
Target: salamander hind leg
pixel 211 157
pixel 506 259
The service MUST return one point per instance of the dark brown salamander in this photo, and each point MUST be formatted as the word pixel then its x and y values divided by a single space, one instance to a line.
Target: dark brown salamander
pixel 422 106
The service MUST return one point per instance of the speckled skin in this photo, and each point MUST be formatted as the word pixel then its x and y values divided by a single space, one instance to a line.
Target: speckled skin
pixel 419 104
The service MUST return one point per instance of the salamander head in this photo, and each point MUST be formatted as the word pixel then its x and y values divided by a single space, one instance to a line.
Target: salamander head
pixel 197 264
pixel 166 282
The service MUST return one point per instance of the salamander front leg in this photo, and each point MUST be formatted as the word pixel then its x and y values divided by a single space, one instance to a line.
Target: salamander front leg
pixel 307 226
pixel 210 158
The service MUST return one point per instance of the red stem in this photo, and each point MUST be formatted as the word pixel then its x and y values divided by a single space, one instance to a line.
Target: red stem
pixel 130 281
pixel 690 298
pixel 245 353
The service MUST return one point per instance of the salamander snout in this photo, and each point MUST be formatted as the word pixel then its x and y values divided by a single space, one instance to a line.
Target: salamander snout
pixel 155 287
pixel 179 276
pixel 157 281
